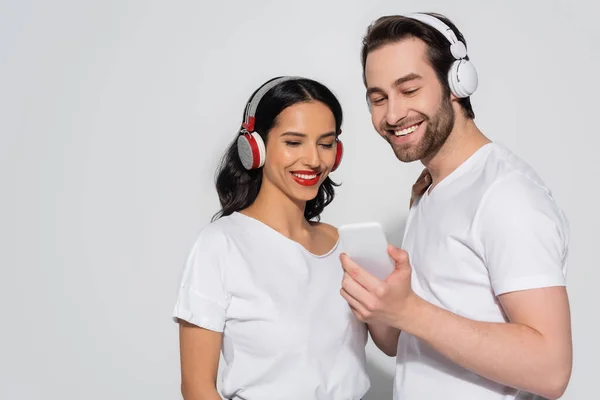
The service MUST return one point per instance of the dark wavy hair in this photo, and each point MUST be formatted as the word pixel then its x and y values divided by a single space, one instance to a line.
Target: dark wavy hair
pixel 238 187
pixel 394 28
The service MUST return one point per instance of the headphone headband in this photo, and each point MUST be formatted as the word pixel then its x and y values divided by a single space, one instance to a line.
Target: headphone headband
pixel 252 105
pixel 458 48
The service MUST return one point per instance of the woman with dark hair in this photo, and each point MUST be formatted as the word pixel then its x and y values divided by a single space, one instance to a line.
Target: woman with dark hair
pixel 262 281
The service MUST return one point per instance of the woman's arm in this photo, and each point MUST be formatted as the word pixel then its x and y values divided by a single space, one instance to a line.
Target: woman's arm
pixel 199 350
pixel 385 338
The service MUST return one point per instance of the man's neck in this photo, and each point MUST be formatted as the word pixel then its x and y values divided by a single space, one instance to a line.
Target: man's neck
pixel 464 140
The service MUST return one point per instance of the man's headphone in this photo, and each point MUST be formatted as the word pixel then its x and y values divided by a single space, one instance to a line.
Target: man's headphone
pixel 462 76
pixel 251 147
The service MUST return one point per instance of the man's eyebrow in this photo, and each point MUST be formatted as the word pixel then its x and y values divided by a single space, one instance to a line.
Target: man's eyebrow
pixel 406 78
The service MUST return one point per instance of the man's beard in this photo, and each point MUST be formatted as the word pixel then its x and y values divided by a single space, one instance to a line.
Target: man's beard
pixel 438 129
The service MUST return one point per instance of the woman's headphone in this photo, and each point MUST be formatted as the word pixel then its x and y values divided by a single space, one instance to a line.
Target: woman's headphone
pixel 251 147
pixel 462 76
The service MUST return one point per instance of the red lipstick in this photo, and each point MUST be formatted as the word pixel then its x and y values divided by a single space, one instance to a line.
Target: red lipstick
pixel 306 178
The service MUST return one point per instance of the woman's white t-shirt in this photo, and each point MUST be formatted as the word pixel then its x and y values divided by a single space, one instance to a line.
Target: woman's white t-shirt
pixel 287 331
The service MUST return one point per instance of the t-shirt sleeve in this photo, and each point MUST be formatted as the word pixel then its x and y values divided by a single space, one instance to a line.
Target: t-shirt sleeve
pixel 523 234
pixel 202 299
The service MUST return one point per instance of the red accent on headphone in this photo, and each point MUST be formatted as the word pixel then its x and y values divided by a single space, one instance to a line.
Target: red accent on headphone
pixel 250 125
pixel 339 151
pixel 255 150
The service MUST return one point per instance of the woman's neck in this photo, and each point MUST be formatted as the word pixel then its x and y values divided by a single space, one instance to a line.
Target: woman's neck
pixel 273 208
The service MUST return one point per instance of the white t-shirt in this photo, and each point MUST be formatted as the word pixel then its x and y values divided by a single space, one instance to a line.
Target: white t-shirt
pixel 489 228
pixel 287 331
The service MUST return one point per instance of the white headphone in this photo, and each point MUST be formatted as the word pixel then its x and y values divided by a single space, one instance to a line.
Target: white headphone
pixel 462 76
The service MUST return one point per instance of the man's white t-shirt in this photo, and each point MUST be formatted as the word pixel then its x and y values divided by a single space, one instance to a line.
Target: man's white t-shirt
pixel 287 331
pixel 489 228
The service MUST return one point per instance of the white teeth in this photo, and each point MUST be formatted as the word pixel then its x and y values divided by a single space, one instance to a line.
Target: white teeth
pixel 304 176
pixel 406 131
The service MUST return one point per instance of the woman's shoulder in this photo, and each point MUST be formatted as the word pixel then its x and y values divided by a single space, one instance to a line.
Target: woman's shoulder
pixel 215 233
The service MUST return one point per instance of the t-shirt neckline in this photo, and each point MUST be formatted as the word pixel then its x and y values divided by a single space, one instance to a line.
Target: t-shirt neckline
pixel 279 234
pixel 461 169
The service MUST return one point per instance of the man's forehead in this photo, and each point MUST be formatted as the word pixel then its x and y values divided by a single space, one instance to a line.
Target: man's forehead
pixel 406 50
pixel 395 60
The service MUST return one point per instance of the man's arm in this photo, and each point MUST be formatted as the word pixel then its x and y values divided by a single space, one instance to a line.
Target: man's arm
pixel 532 352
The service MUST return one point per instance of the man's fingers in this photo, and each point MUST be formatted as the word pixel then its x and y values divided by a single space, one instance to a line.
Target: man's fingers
pixel 424 175
pixel 356 307
pixel 399 256
pixel 356 290
pixel 360 275
pixel 422 182
pixel 420 186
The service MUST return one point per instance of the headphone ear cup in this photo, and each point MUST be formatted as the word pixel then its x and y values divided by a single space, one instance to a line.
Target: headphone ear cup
pixel 339 153
pixel 262 151
pixel 462 78
pixel 251 150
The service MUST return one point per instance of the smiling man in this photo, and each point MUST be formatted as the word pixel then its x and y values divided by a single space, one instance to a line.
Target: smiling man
pixel 477 306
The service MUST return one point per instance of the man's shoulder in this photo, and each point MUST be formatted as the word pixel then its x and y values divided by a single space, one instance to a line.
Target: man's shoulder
pixel 500 172
pixel 503 163
pixel 518 207
pixel 513 185
pixel 506 173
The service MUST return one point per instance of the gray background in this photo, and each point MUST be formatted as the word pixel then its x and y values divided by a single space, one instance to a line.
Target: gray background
pixel 113 115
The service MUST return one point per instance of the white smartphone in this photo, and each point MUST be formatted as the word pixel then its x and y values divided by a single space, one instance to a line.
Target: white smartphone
pixel 366 244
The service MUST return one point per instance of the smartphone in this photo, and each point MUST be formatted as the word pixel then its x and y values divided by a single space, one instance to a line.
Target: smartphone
pixel 366 244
